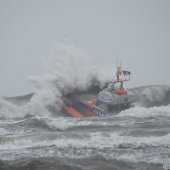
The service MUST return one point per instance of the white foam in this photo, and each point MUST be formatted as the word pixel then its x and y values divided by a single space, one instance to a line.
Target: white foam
pixel 65 123
pixel 155 93
pixel 69 68
pixel 66 69
pixel 152 95
pixel 146 112
pixel 3 131
pixel 8 109
pixel 96 140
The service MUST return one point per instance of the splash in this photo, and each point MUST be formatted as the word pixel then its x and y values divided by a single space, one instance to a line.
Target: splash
pixel 149 96
pixel 69 68
pixel 66 69
pixel 146 112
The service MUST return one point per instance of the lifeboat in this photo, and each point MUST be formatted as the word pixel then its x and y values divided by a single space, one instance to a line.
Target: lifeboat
pixel 110 100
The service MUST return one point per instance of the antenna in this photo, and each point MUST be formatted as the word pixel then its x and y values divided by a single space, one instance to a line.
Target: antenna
pixel 118 64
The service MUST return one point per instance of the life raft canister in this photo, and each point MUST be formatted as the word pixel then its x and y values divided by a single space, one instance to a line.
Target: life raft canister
pixel 120 91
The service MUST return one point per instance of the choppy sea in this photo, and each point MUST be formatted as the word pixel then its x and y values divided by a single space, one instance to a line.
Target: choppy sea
pixel 135 139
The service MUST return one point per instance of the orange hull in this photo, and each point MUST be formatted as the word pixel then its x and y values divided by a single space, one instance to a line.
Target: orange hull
pixel 72 112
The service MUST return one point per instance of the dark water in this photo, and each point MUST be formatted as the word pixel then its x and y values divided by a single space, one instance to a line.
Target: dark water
pixel 138 138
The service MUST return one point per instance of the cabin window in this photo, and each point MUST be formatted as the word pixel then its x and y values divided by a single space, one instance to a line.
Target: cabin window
pixel 102 105
pixel 118 85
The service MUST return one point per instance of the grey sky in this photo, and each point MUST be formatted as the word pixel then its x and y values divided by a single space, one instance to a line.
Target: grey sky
pixel 136 32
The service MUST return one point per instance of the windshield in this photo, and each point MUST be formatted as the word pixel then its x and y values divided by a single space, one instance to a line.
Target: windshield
pixel 118 85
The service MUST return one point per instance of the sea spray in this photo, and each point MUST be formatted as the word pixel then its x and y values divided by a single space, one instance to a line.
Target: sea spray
pixel 66 69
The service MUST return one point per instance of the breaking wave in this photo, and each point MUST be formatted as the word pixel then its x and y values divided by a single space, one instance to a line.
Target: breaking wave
pixel 35 132
pixel 93 140
pixel 68 69
pixel 149 96
pixel 147 112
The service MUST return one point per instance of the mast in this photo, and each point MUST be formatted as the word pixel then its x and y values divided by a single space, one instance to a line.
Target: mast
pixel 122 76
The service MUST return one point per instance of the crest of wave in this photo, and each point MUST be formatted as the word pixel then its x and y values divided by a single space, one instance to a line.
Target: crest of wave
pixel 66 69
